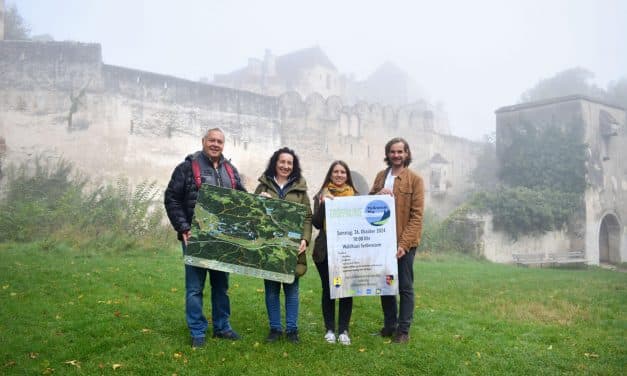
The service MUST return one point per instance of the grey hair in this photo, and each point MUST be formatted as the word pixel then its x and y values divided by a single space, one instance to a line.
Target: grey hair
pixel 212 130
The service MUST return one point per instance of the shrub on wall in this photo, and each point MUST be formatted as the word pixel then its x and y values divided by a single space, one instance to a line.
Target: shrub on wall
pixel 543 175
pixel 524 211
pixel 551 157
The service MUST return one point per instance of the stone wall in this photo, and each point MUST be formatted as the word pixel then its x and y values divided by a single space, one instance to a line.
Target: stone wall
pixel 127 122
pixel 605 133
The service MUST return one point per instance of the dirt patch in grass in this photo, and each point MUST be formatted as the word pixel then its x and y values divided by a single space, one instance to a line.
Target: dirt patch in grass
pixel 553 312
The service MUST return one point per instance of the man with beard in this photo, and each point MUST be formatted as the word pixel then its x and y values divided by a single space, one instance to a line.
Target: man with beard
pixel 407 188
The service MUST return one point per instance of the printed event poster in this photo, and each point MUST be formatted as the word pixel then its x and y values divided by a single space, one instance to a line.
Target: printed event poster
pixel 361 242
pixel 242 233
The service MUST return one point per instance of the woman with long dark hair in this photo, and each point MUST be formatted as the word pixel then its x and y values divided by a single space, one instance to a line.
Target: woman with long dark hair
pixel 337 183
pixel 282 179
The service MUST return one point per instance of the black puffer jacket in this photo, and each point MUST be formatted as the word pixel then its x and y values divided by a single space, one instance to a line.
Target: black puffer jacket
pixel 182 193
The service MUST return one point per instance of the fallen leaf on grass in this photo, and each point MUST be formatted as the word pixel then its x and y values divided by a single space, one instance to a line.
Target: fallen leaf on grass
pixel 591 355
pixel 33 355
pixel 116 366
pixel 458 337
pixel 177 355
pixel 285 355
pixel 74 363
pixel 10 363
pixel 387 341
pixel 256 344
pixel 478 354
pixel 259 290
pixel 174 289
pixel 362 350
pixel 550 347
pixel 116 313
pixel 100 365
pixel 13 294
pixel 145 330
pixel 5 287
pixel 48 371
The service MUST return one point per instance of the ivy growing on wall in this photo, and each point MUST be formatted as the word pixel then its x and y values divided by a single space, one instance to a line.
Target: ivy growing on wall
pixel 545 158
pixel 543 180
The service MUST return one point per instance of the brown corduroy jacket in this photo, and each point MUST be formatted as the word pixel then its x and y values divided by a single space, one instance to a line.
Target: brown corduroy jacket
pixel 409 198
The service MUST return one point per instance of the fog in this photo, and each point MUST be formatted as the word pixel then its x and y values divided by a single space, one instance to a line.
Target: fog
pixel 473 56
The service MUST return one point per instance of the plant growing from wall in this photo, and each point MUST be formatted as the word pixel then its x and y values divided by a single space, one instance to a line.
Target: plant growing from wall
pixel 543 176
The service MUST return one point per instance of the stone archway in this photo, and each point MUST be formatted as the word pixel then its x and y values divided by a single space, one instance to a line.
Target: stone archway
pixel 609 240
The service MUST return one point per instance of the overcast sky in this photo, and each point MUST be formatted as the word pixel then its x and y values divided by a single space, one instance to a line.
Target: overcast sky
pixel 475 56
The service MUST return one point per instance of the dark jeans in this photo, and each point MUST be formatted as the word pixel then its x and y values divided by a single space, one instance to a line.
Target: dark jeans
pixel 328 305
pixel 400 318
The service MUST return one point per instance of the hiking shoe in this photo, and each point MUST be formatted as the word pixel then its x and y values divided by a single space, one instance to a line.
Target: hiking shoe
pixel 227 334
pixel 274 335
pixel 386 332
pixel 292 337
pixel 198 342
pixel 330 336
pixel 400 337
pixel 344 339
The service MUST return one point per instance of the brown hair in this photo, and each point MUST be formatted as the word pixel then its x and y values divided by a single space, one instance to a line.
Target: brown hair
pixel 327 179
pixel 388 146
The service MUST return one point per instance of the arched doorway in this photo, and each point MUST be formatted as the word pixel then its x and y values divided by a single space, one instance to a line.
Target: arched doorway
pixel 609 240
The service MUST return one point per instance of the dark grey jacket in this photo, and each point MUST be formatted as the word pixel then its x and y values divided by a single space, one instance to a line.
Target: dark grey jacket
pixel 182 193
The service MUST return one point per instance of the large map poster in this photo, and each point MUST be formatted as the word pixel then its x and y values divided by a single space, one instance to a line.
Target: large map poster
pixel 361 243
pixel 242 233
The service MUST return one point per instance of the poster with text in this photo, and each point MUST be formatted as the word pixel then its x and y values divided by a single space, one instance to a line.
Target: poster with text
pixel 361 243
pixel 242 233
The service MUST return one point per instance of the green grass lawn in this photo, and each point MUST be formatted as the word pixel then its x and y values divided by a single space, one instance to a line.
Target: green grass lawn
pixel 65 311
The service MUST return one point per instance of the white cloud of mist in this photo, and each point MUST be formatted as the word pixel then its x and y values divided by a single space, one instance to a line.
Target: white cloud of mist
pixel 475 56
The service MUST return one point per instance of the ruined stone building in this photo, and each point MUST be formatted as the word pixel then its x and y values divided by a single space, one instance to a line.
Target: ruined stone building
pixel 310 71
pixel 58 99
pixel 600 229
pixel 305 71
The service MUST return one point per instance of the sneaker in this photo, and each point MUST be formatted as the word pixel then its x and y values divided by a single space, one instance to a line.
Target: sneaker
pixel 274 335
pixel 330 336
pixel 386 332
pixel 227 334
pixel 344 339
pixel 198 342
pixel 400 337
pixel 292 337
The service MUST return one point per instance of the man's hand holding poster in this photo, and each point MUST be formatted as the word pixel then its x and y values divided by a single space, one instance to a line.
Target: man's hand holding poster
pixel 361 241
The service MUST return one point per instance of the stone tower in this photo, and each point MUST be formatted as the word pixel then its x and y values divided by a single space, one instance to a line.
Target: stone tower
pixel 1 19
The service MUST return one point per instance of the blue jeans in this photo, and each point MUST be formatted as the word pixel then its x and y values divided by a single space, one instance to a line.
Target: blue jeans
pixel 220 306
pixel 273 305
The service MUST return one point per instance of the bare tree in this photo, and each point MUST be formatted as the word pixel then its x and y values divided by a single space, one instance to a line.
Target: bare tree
pixel 15 28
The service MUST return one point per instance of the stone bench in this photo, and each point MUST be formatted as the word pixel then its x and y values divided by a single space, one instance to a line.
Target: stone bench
pixel 569 257
pixel 555 258
pixel 529 258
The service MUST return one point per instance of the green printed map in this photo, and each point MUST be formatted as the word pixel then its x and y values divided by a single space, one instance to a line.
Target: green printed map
pixel 242 233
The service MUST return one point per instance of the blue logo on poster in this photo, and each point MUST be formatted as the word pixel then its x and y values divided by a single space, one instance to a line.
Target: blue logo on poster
pixel 377 212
